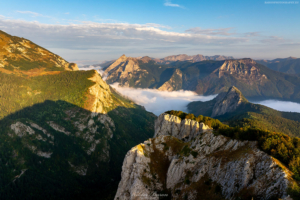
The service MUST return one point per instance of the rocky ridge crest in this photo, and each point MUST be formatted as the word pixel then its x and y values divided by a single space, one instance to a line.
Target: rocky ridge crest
pixel 186 160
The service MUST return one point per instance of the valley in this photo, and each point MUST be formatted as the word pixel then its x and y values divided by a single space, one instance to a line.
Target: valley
pixel 180 127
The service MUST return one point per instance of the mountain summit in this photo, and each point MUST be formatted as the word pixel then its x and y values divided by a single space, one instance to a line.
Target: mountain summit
pixel 228 102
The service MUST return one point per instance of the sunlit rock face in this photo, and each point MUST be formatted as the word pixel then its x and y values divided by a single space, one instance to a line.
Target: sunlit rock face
pixel 244 69
pixel 123 70
pixel 186 160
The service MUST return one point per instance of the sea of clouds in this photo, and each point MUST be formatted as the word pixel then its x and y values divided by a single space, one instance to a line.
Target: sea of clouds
pixel 157 102
pixel 286 106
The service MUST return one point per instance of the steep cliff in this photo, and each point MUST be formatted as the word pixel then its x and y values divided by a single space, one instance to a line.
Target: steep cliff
pixel 244 69
pixel 187 160
pixel 174 83
pixel 124 70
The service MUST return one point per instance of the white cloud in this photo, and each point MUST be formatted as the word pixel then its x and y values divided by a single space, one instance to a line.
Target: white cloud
pixel 160 101
pixel 219 31
pixel 273 40
pixel 96 35
pixel 286 106
pixel 85 40
pixel 169 3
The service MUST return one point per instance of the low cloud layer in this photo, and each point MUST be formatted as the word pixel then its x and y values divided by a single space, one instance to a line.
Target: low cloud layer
pixel 160 101
pixel 286 106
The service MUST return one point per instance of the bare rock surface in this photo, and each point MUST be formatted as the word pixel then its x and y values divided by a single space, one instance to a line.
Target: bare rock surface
pixel 186 160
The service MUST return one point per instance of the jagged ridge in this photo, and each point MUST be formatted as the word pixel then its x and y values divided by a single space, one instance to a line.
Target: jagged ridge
pixel 184 156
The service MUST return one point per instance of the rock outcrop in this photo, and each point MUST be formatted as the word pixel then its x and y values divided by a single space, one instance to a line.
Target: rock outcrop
pixel 186 160
pixel 101 98
pixel 123 70
pixel 174 83
pixel 244 69
pixel 228 102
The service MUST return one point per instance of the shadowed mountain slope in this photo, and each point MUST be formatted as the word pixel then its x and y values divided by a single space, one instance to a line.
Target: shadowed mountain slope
pixel 232 107
pixel 288 65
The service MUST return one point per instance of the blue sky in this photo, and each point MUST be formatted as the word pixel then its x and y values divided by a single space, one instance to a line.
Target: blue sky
pixel 104 30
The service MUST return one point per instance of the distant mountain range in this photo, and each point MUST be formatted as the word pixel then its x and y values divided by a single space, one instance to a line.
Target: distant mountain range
pixel 290 65
pixel 205 77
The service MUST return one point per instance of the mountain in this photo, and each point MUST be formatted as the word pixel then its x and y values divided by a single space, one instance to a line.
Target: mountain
pixel 62 132
pixel 186 159
pixel 206 77
pixel 195 58
pixel 290 65
pixel 232 107
pixel 19 55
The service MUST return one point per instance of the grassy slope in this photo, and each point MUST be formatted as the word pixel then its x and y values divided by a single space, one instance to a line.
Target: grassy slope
pixel 253 115
pixel 34 56
pixel 46 98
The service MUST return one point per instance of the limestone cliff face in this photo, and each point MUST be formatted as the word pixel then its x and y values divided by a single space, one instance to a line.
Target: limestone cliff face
pixel 17 52
pixel 186 160
pixel 123 69
pixel 227 102
pixel 100 98
pixel 174 83
pixel 243 69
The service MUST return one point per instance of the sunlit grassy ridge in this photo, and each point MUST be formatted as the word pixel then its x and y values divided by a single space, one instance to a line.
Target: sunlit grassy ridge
pixel 18 92
pixel 21 54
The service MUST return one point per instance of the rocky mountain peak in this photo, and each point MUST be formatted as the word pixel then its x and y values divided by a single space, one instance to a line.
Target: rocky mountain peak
pixel 145 59
pixel 245 69
pixel 228 101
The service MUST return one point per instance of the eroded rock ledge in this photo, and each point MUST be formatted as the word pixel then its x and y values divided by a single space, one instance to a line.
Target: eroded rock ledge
pixel 187 160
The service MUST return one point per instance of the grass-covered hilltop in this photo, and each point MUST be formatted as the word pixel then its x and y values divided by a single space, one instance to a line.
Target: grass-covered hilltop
pixel 63 133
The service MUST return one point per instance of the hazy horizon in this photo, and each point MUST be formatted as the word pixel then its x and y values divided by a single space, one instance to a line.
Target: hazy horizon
pixel 104 30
